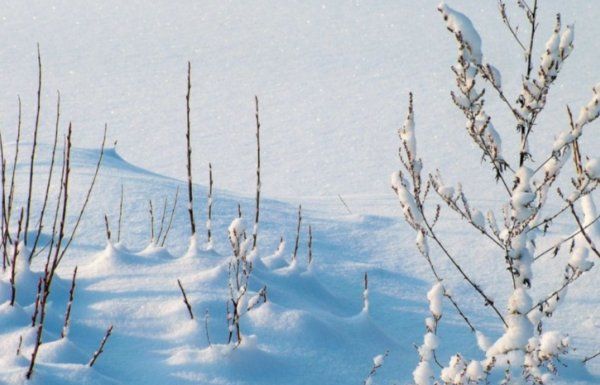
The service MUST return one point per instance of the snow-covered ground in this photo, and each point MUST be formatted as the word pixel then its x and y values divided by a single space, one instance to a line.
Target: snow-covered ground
pixel 333 81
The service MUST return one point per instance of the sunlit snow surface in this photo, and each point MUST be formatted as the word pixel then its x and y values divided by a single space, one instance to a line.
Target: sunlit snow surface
pixel 333 83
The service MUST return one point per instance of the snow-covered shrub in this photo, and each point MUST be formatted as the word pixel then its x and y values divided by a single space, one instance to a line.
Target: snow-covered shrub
pixel 240 269
pixel 525 353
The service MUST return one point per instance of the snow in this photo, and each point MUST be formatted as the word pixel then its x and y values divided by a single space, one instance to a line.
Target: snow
pixel 332 80
pixel 423 373
pixel 463 28
pixel 378 360
pixel 592 167
pixel 435 297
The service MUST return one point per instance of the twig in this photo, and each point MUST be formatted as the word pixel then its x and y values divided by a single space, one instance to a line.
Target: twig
pixel 35 132
pixel 506 21
pixel 107 227
pixel 465 214
pixel 101 348
pixel 257 208
pixel 488 300
pixel 87 196
pixel 19 346
pixel 427 229
pixel 532 20
pixel 13 270
pixel 566 283
pixel 206 316
pixel 63 219
pixel 310 251
pixel 37 302
pixel 120 215
pixel 11 193
pixel 376 366
pixel 582 192
pixel 297 233
pixel 583 232
pixel 3 224
pixel 446 294
pixel 50 269
pixel 185 300
pixel 49 182
pixel 210 202
pixel 65 328
pixel 162 220
pixel 366 293
pixel 151 211
pixel 556 245
pixel 586 359
pixel 345 205
pixel 189 154
pixel 170 218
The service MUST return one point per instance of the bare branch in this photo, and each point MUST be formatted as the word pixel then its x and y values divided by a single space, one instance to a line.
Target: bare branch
pixel 185 299
pixel 189 153
pixel 13 270
pixel 35 132
pixel 65 328
pixel 210 204
pixel 297 233
pixel 49 182
pixel 257 208
pixel 171 217
pixel 586 359
pixel 120 215
pixel 87 196
pixel 101 348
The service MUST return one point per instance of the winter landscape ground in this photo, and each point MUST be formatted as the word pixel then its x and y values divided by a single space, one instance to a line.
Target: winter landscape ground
pixel 332 80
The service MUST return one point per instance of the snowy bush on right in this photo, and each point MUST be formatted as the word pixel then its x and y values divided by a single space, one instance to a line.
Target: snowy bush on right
pixel 526 353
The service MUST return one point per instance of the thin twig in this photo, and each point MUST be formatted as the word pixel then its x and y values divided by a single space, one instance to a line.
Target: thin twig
pixel 11 193
pixel 556 245
pixel 151 212
pixel 170 217
pixel 101 348
pixel 120 215
pixel 506 22
pixel 297 233
pixel 162 220
pixel 586 359
pixel 588 239
pixel 185 300
pixel 13 285
pixel 107 227
pixel 87 196
pixel 206 316
pixel 210 203
pixel 65 328
pixel 50 269
pixel 532 20
pixel 345 205
pixel 189 153
pixel 257 207
pixel 37 302
pixel 20 345
pixel 49 182
pixel 35 132
pixel 310 240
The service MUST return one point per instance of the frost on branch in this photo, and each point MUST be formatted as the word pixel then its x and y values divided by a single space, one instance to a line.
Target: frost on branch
pixel 423 373
pixel 466 35
pixel 240 270
pixel 469 99
pixel 525 353
pixel 377 364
